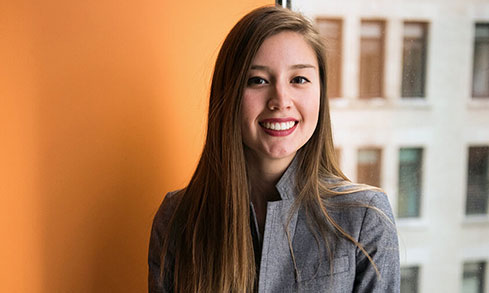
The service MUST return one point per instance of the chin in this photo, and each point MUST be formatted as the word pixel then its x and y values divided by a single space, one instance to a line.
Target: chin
pixel 281 155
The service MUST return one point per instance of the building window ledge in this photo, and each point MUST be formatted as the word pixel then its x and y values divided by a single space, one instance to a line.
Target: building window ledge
pixel 381 103
pixel 411 223
pixel 476 219
pixel 479 103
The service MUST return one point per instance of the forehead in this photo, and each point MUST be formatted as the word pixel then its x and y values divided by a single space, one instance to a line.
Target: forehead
pixel 286 47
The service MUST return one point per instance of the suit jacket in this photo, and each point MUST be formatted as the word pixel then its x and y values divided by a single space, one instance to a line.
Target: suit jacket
pixel 365 215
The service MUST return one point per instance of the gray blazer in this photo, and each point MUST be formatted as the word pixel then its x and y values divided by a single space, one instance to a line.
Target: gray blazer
pixel 346 269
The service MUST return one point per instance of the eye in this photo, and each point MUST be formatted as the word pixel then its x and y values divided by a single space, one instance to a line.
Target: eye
pixel 256 80
pixel 300 80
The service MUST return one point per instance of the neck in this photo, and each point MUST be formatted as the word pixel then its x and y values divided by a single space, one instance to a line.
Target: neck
pixel 264 175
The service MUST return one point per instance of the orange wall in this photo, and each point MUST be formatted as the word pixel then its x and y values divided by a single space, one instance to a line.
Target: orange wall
pixel 102 111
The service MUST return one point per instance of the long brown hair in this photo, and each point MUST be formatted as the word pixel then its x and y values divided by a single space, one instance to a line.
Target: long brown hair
pixel 209 232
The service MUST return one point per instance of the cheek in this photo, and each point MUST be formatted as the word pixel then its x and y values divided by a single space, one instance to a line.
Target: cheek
pixel 316 103
pixel 310 107
pixel 250 109
pixel 316 110
pixel 247 119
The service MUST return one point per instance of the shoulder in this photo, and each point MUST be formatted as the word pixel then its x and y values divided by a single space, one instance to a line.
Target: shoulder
pixel 346 193
pixel 341 193
pixel 159 231
pixel 361 210
pixel 163 217
pixel 366 197
pixel 161 221
pixel 166 209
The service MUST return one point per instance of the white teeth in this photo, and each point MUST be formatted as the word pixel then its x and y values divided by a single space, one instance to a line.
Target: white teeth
pixel 279 126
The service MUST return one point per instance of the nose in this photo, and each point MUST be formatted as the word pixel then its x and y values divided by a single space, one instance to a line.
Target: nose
pixel 279 98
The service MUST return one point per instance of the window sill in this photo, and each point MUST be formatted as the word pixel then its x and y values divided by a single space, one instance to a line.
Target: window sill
pixel 411 223
pixel 380 103
pixel 414 103
pixel 476 219
pixel 479 103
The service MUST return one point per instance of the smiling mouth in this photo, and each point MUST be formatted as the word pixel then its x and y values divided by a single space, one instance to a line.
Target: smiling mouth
pixel 278 125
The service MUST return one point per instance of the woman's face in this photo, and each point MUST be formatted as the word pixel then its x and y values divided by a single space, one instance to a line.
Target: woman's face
pixel 280 105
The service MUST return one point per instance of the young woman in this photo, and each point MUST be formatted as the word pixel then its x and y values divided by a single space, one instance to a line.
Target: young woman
pixel 268 208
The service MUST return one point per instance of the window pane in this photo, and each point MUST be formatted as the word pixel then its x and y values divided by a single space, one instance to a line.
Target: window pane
pixel 480 79
pixel 414 59
pixel 473 279
pixel 409 279
pixel 368 168
pixel 330 31
pixel 477 181
pixel 410 171
pixel 371 59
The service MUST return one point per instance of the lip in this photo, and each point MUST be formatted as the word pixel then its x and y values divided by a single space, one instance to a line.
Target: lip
pixel 278 120
pixel 278 132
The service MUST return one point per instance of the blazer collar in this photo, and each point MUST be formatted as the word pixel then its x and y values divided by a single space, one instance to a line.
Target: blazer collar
pixel 287 185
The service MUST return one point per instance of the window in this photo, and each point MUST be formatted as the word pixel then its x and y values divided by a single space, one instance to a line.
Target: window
pixel 286 3
pixel 414 59
pixel 372 59
pixel 473 279
pixel 477 181
pixel 410 171
pixel 480 78
pixel 368 168
pixel 330 30
pixel 409 279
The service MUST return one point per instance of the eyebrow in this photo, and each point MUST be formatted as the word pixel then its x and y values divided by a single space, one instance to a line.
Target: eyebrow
pixel 295 66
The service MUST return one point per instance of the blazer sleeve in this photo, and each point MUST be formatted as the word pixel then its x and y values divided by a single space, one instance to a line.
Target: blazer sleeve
pixel 158 231
pixel 378 236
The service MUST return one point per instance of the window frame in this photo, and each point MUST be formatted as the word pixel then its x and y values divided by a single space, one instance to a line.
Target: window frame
pixel 474 41
pixel 379 164
pixel 481 273
pixel 467 173
pixel 425 39
pixel 382 39
pixel 422 196
pixel 417 273
pixel 339 69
